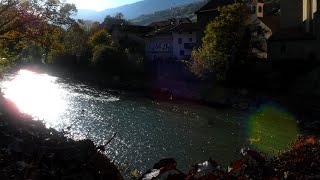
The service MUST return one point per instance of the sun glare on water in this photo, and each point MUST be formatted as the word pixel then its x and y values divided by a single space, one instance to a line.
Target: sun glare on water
pixel 36 94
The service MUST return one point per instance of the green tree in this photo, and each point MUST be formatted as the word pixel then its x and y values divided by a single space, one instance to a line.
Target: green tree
pixel 100 37
pixel 119 15
pixel 225 44
pixel 75 40
pixel 109 21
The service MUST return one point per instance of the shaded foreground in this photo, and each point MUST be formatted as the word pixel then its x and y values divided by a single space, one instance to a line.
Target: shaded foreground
pixel 302 161
pixel 30 151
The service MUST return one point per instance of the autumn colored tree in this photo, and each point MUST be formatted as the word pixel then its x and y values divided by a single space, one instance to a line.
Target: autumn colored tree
pixel 37 21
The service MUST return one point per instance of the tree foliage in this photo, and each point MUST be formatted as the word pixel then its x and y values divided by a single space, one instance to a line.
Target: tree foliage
pixel 225 44
pixel 31 22
pixel 117 19
pixel 101 37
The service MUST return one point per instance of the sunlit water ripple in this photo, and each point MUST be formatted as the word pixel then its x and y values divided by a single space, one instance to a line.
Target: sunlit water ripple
pixel 147 130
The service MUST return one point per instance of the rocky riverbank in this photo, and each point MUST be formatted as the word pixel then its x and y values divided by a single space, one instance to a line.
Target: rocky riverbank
pixel 28 150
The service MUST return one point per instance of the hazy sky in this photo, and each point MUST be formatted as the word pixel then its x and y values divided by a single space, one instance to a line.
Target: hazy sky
pixel 100 4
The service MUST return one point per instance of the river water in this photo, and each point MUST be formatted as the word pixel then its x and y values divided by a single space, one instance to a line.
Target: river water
pixel 148 130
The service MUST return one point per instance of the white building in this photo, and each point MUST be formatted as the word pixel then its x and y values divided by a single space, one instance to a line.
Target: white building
pixel 171 41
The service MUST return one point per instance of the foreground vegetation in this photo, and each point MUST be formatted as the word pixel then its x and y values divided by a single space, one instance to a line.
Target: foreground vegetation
pixel 302 161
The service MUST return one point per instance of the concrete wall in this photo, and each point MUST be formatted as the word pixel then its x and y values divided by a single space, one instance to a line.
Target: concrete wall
pixel 159 47
pixel 291 13
pixel 188 38
pixel 304 50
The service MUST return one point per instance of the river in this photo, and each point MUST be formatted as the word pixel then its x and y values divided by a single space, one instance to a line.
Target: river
pixel 148 130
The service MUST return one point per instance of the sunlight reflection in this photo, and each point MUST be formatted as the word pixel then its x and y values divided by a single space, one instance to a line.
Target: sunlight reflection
pixel 37 95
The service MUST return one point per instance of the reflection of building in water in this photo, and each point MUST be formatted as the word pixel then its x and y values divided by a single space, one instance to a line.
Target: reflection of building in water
pixel 299 35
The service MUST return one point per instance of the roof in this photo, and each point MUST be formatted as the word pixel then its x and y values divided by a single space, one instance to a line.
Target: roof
pixel 169 22
pixel 179 27
pixel 291 34
pixel 131 28
pixel 273 22
pixel 185 27
pixel 213 5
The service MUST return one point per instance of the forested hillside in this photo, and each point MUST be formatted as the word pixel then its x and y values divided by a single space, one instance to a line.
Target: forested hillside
pixel 271 6
pixel 177 12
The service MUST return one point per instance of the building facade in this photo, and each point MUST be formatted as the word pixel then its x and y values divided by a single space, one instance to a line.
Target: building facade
pixel 299 35
pixel 172 42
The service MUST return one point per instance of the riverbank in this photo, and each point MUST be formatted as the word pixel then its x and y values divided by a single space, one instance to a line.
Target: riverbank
pixel 28 150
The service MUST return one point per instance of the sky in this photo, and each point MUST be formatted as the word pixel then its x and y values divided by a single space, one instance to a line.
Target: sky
pixel 99 5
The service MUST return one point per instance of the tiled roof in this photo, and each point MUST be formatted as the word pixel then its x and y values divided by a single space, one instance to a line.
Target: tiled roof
pixel 185 27
pixel 214 4
pixel 171 25
pixel 131 28
pixel 169 22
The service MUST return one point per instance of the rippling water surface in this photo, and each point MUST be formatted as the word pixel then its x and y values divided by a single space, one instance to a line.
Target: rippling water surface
pixel 147 130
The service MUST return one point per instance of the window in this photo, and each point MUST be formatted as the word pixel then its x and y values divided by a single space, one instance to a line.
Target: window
pixel 181 52
pixel 179 40
pixel 190 39
pixel 260 9
pixel 165 45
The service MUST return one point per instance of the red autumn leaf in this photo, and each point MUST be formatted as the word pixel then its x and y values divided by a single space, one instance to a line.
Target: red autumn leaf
pixel 237 164
pixel 311 140
pixel 299 144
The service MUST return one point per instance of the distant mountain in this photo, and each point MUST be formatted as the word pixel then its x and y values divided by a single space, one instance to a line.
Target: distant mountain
pixel 183 11
pixel 87 14
pixel 134 10
pixel 146 11
pixel 187 11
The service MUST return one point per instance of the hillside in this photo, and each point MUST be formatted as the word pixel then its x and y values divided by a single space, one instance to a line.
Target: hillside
pixel 134 10
pixel 147 11
pixel 177 12
pixel 188 10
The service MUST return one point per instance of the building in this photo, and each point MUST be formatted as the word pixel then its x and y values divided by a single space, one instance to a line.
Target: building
pixel 298 38
pixel 270 23
pixel 209 11
pixel 171 40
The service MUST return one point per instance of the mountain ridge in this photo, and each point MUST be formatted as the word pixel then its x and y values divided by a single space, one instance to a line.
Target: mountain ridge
pixel 134 10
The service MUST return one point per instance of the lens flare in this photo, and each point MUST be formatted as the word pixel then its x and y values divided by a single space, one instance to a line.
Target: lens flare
pixel 36 94
pixel 272 129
